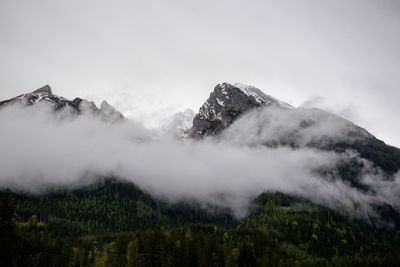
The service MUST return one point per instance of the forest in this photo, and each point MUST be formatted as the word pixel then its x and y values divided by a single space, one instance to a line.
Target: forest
pixel 114 223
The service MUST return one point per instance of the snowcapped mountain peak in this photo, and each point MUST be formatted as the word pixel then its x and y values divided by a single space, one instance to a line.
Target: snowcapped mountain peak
pixel 226 103
pixel 44 95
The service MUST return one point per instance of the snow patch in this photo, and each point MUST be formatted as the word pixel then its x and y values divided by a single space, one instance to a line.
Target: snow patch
pixel 260 97
pixel 220 102
pixel 204 110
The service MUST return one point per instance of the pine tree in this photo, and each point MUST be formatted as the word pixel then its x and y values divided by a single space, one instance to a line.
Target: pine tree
pixel 9 234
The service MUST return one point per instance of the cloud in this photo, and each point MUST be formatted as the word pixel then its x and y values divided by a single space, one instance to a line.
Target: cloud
pixel 40 150
pixel 341 109
pixel 299 127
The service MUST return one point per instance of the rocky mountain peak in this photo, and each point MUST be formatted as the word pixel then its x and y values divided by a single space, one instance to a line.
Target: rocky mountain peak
pixel 45 96
pixel 226 103
pixel 45 89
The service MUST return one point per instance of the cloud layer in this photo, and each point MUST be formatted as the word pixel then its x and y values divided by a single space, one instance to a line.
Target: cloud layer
pixel 40 150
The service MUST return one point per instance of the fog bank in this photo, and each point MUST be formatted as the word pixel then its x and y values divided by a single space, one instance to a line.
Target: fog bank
pixel 40 150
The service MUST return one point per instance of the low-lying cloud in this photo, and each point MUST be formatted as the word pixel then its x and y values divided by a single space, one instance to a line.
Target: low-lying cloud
pixel 298 127
pixel 40 150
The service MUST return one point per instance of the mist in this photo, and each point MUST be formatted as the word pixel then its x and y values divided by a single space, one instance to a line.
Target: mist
pixel 42 150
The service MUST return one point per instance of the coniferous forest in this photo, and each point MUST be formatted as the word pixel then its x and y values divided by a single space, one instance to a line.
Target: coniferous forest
pixel 114 223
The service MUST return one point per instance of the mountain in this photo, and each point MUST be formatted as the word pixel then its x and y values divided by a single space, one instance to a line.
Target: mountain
pixel 267 121
pixel 45 96
pixel 271 122
pixel 227 103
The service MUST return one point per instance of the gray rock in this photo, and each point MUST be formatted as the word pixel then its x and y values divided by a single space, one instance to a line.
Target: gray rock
pixel 225 104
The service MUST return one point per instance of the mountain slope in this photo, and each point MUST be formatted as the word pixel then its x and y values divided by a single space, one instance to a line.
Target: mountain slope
pixel 282 230
pixel 247 116
pixel 112 205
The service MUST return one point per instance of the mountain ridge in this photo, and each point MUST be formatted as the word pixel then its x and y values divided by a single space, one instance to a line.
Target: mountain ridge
pixel 223 110
pixel 44 95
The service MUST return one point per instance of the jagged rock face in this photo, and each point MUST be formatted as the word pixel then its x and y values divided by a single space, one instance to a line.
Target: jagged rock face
pixel 44 95
pixel 226 103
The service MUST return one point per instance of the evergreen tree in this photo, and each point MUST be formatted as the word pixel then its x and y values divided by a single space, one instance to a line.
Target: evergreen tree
pixel 9 235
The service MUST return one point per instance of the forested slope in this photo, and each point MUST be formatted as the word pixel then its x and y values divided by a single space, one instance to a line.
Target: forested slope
pixel 111 205
pixel 112 223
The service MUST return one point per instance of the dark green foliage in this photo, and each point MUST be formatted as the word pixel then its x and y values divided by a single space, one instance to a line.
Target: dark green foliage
pixel 9 235
pixel 75 228
pixel 316 235
pixel 112 206
pixel 29 243
pixel 203 245
pixel 270 199
pixel 40 248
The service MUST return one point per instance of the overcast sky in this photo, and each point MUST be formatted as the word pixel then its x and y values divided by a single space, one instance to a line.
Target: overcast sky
pixel 150 58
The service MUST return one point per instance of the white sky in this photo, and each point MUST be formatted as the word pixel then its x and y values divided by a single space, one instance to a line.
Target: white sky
pixel 151 58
